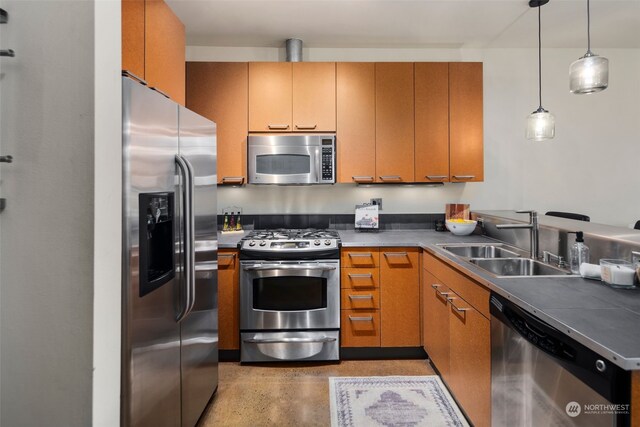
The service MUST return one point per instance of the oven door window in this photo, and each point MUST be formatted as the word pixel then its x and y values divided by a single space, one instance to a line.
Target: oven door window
pixel 289 293
pixel 283 164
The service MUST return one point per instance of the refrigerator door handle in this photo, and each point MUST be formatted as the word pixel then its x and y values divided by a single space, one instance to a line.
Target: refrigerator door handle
pixel 187 224
pixel 191 241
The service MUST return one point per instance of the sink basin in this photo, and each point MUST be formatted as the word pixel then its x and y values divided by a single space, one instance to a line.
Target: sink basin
pixel 518 267
pixel 480 251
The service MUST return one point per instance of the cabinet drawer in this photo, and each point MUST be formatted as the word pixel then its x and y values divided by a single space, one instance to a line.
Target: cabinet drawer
pixel 360 278
pixel 360 257
pixel 353 299
pixel 227 260
pixel 472 292
pixel 360 328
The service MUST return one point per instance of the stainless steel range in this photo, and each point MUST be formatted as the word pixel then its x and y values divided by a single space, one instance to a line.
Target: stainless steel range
pixel 290 295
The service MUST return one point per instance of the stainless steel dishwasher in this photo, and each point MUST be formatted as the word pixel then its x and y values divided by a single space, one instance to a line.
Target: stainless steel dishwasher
pixel 541 377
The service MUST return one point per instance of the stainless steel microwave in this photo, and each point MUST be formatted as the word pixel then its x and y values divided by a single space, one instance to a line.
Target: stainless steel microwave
pixel 291 159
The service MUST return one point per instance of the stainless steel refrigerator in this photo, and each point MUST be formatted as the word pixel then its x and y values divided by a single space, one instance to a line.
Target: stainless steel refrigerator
pixel 170 285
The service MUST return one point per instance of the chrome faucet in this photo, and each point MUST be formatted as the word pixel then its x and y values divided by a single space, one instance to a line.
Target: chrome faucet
pixel 533 229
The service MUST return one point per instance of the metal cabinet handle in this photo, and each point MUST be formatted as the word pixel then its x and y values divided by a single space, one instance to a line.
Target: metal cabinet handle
pixel 278 126
pixel 352 297
pixel 439 292
pixel 458 309
pixel 288 340
pixel 306 126
pixel 361 318
pixel 360 276
pixel 435 177
pixel 362 178
pixel 233 180
pixel 356 255
pixel 463 177
pixel 391 178
pixel 404 254
pixel 232 256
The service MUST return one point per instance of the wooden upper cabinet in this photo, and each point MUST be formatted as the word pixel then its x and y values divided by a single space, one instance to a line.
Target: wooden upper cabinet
pixel 270 96
pixel 133 37
pixel 356 121
pixel 394 122
pixel 400 297
pixel 465 122
pixel 219 92
pixel 432 121
pixel 314 96
pixel 164 52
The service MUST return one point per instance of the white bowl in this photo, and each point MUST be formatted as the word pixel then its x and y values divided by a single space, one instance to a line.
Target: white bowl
pixel 461 228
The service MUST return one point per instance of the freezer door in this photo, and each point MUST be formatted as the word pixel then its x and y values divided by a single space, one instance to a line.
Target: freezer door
pixel 151 335
pixel 199 330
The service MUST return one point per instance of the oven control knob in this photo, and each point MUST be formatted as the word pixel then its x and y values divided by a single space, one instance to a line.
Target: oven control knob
pixel 316 242
pixel 252 243
pixel 263 243
pixel 600 365
pixel 327 242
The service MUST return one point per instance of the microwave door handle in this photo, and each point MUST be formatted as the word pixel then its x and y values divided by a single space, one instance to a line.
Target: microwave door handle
pixel 318 151
pixel 191 241
pixel 184 187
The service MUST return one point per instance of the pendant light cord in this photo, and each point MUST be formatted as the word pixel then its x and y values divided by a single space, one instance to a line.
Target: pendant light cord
pixel 540 58
pixel 588 29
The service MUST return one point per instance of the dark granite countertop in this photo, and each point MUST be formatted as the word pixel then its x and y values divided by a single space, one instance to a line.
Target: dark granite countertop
pixel 603 319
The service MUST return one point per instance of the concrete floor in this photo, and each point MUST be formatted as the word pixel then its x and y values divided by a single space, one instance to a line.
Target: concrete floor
pixel 289 394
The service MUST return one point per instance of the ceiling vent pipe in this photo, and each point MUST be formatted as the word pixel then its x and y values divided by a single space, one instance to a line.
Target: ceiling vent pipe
pixel 294 50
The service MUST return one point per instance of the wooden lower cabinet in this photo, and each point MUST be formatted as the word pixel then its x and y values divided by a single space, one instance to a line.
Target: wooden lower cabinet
pixel 457 335
pixel 400 297
pixel 470 360
pixel 435 318
pixel 360 328
pixel 228 300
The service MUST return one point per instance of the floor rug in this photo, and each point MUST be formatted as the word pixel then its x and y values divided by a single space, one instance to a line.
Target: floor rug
pixel 392 402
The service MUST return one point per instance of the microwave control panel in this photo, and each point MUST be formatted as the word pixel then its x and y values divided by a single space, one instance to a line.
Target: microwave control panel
pixel 328 161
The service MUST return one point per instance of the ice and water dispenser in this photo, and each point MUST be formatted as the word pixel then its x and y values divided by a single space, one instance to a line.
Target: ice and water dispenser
pixel 157 236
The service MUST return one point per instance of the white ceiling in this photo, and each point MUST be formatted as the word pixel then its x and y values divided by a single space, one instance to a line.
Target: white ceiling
pixel 408 23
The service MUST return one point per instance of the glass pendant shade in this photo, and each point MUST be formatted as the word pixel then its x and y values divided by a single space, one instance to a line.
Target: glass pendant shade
pixel 541 125
pixel 589 74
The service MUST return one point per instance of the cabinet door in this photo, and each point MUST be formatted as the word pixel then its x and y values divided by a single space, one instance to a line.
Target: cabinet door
pixel 432 121
pixel 400 297
pixel 394 122
pixel 314 96
pixel 356 121
pixel 270 96
pixel 133 36
pixel 219 92
pixel 228 300
pixel 470 360
pixel 435 319
pixel 164 50
pixel 360 328
pixel 465 122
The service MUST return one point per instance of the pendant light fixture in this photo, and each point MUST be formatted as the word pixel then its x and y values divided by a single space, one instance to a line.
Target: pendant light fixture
pixel 590 73
pixel 541 124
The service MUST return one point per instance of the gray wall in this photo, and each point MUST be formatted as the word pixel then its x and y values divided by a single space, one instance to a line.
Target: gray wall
pixel 46 248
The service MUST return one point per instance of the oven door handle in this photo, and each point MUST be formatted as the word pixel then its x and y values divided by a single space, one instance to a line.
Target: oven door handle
pixel 288 340
pixel 263 267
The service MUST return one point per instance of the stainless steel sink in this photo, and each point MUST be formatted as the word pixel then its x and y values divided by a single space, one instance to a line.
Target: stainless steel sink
pixel 518 267
pixel 481 251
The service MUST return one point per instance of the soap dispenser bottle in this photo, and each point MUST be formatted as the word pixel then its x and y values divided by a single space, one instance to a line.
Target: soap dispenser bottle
pixel 578 253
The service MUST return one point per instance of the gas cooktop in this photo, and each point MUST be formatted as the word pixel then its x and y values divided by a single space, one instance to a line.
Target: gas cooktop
pixel 290 241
